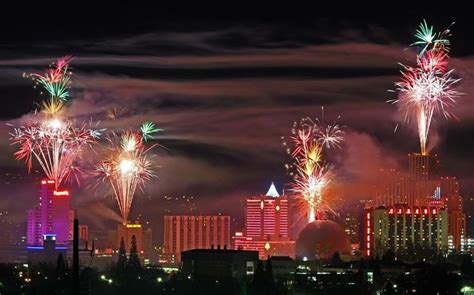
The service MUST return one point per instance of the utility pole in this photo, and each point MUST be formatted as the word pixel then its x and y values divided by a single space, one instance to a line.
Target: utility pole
pixel 75 255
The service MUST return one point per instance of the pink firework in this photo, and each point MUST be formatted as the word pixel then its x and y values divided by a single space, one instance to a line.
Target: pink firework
pixel 427 88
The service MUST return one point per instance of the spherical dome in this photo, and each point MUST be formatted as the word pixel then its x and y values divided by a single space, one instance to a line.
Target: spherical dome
pixel 320 239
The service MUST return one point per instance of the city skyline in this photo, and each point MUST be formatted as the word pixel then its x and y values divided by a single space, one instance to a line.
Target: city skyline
pixel 234 148
pixel 245 88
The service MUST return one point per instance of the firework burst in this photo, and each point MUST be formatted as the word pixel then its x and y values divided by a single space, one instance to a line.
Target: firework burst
pixel 56 145
pixel 56 81
pixel 427 88
pixel 148 130
pixel 126 167
pixel 311 175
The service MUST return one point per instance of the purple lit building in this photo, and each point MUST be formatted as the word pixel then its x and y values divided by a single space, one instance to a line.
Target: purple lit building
pixel 50 217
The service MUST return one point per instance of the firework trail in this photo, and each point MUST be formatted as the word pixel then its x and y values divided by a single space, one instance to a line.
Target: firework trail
pixel 55 143
pixel 311 175
pixel 427 88
pixel 125 167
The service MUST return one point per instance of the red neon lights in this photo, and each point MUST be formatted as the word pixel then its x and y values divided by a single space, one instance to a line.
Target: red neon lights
pixel 47 181
pixel 61 193
pixel 425 211
pixel 408 211
pixel 390 211
pixel 367 237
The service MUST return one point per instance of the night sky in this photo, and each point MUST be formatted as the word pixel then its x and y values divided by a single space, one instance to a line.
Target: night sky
pixel 226 83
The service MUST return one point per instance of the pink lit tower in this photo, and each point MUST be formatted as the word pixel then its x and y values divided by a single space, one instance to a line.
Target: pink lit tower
pixel 50 218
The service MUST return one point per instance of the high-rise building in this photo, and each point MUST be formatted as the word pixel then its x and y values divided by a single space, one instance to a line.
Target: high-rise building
pixel 187 232
pixel 266 216
pixel 266 225
pixel 50 217
pixel 403 229
pixel 424 187
pixel 457 229
pixel 392 187
pixel 423 167
pixel 454 204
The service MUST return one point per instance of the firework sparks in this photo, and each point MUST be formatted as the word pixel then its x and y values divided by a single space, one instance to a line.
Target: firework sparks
pixel 148 129
pixel 126 167
pixel 427 88
pixel 56 145
pixel 116 112
pixel 426 37
pixel 56 81
pixel 311 175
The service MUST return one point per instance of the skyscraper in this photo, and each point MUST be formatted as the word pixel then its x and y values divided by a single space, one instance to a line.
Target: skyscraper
pixel 266 216
pixel 266 225
pixel 392 187
pixel 187 232
pixel 50 217
pixel 454 203
pixel 423 167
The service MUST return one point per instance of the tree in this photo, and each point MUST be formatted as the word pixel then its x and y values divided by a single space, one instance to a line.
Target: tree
pixel 389 289
pixel 336 259
pixel 466 265
pixel 388 257
pixel 269 279
pixel 258 283
pixel 133 259
pixel 122 259
pixel 60 265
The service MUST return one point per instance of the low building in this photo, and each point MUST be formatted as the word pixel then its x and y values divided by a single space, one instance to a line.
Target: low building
pixel 48 252
pixel 187 232
pixel 219 263
pixel 265 248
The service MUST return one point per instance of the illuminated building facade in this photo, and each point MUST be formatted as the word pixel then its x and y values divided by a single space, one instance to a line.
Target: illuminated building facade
pixel 266 226
pixel 423 167
pixel 187 232
pixel 424 187
pixel 392 187
pixel 454 204
pixel 265 248
pixel 142 236
pixel 402 229
pixel 50 217
pixel 266 216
